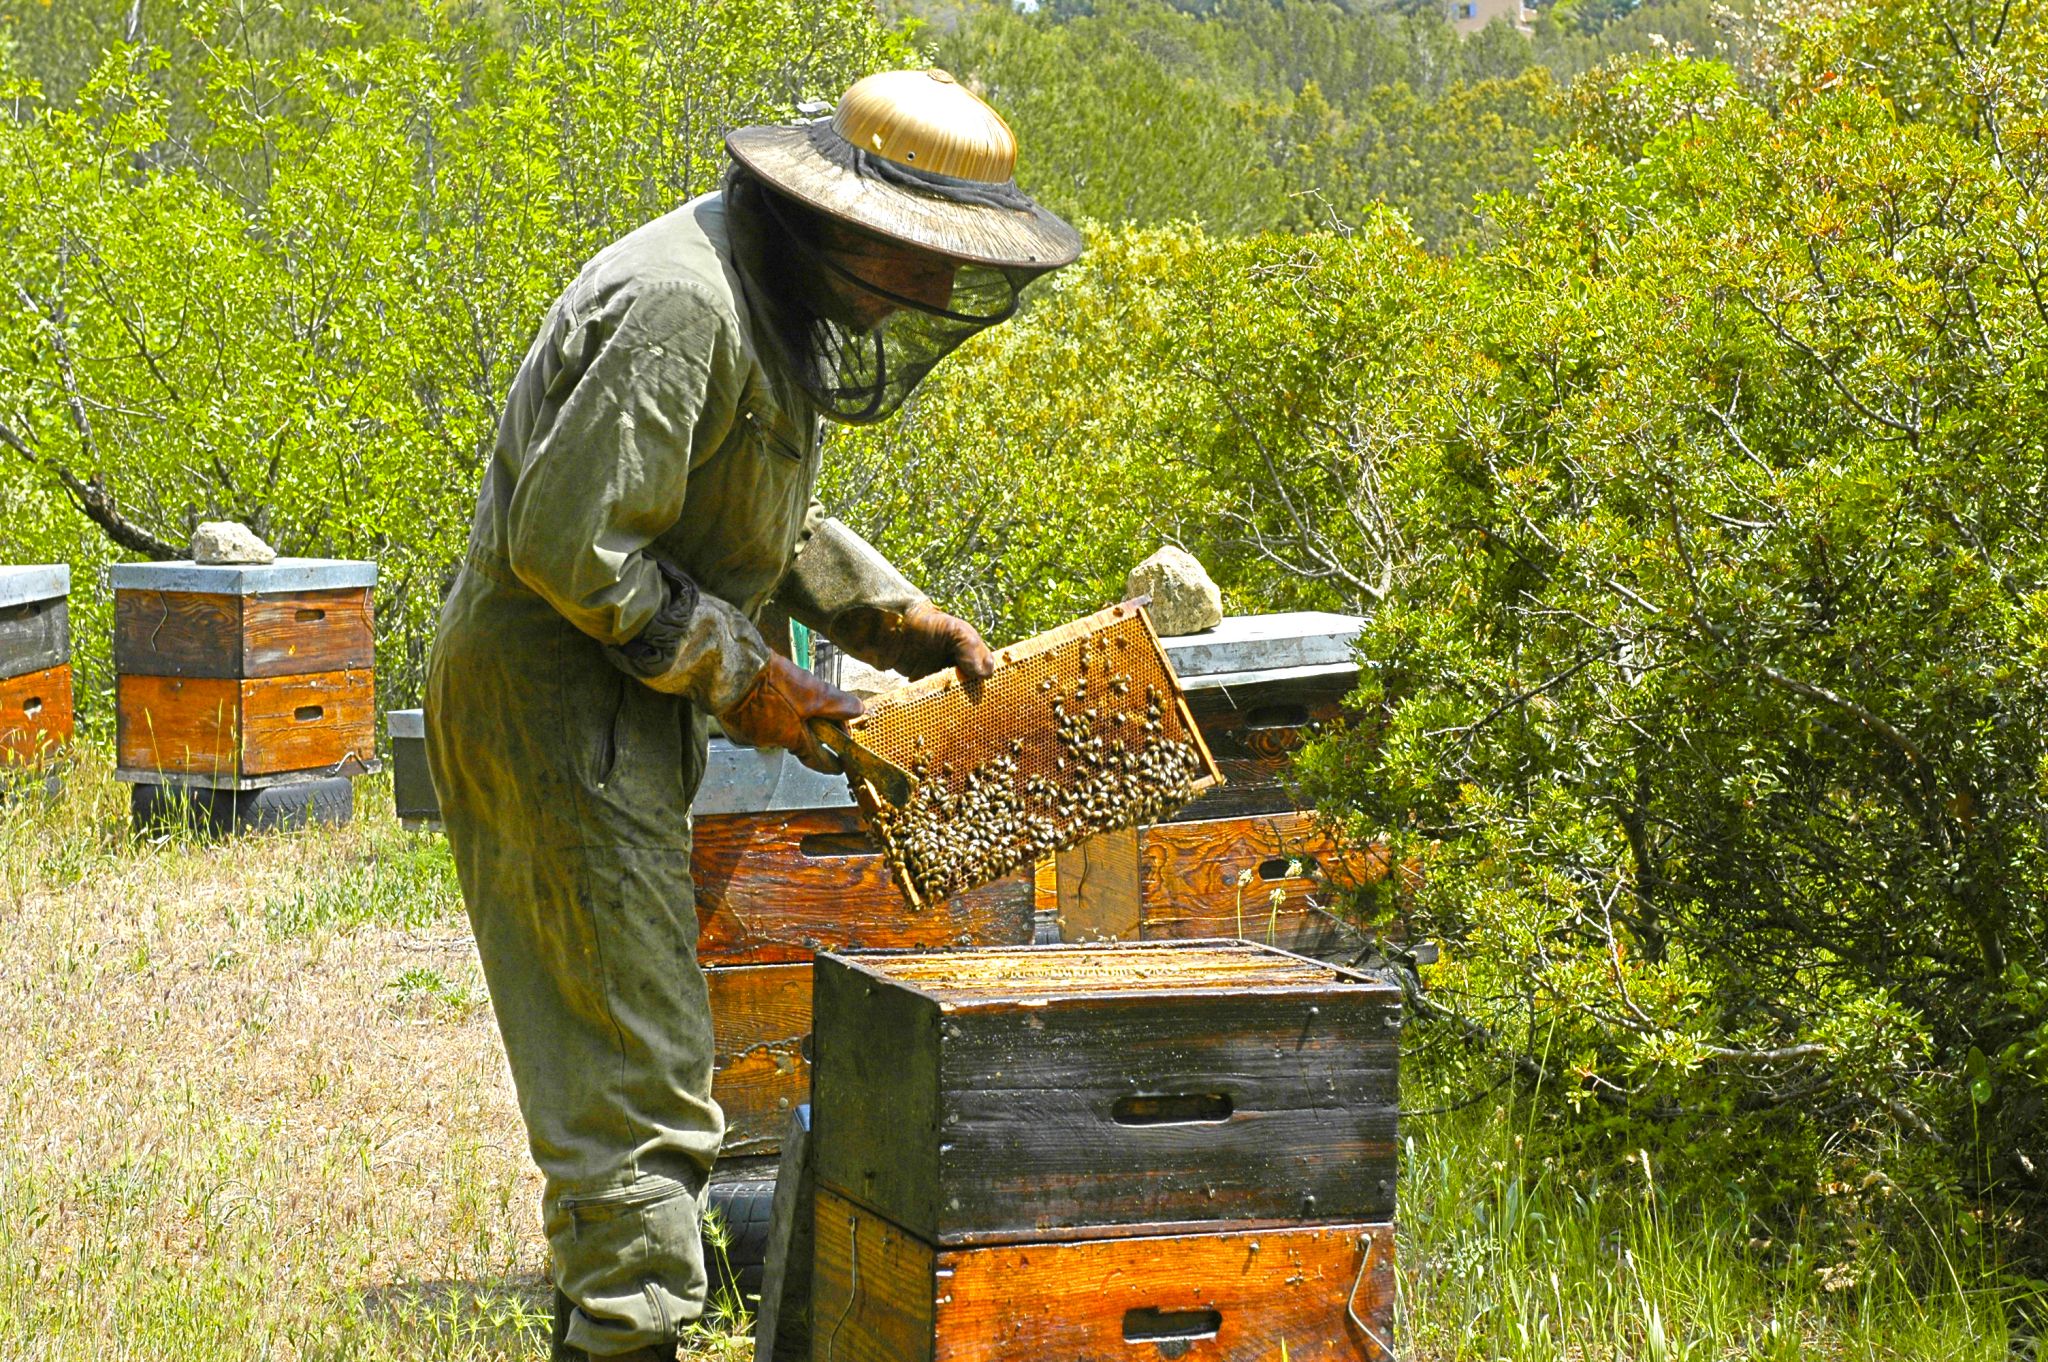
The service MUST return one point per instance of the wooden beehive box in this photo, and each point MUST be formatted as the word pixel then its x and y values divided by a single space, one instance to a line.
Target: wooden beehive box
pixel 880 1294
pixel 1073 1151
pixel 992 1095
pixel 238 676
pixel 412 783
pixel 783 869
pixel 35 663
pixel 1259 687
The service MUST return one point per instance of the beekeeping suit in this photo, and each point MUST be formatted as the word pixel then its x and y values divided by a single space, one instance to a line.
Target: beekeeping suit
pixel 651 490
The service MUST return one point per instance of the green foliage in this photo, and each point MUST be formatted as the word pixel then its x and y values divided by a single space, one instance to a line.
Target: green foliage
pixel 1515 1251
pixel 1253 115
pixel 1697 517
pixel 267 269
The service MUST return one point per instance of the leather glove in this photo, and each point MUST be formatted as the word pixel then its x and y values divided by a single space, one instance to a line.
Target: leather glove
pixel 922 640
pixel 777 710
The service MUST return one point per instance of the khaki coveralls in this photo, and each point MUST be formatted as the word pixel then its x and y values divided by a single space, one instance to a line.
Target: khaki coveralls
pixel 642 424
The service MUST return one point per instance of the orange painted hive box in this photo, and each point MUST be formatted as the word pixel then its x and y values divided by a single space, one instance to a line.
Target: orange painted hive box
pixel 239 676
pixel 1078 1151
pixel 35 664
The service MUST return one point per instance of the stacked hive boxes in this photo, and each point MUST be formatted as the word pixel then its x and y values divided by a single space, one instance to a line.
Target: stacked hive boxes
pixel 783 870
pixel 1258 686
pixel 35 665
pixel 1071 1152
pixel 237 679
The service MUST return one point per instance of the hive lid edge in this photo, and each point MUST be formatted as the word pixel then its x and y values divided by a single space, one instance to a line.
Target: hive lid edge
pixel 245 579
pixel 30 582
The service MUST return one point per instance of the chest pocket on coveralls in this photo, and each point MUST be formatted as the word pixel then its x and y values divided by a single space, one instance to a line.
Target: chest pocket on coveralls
pixel 750 500
pixel 775 431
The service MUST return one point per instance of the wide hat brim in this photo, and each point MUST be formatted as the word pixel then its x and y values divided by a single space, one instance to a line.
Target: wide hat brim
pixel 982 234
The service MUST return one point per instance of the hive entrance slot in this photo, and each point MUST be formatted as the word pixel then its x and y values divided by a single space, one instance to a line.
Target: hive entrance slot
pixel 1174 1109
pixel 1278 867
pixel 305 714
pixel 827 846
pixel 311 616
pixel 1150 1324
pixel 1277 716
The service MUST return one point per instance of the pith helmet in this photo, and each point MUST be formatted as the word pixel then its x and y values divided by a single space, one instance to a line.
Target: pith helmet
pixel 914 156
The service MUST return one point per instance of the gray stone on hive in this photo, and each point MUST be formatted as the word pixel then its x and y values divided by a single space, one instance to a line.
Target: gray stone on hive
pixel 229 541
pixel 858 678
pixel 1184 598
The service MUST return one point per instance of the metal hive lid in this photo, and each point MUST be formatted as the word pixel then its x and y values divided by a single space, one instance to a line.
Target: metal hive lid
pixel 37 582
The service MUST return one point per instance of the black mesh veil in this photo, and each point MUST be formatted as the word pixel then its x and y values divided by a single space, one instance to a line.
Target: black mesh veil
pixel 856 345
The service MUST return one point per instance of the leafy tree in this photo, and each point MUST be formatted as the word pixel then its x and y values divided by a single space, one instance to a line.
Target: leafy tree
pixel 1697 519
pixel 256 276
pixel 1255 115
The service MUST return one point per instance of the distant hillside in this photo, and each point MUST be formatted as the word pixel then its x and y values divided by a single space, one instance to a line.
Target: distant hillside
pixel 1250 115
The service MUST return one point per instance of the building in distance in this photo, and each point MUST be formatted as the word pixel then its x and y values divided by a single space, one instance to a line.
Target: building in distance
pixel 1469 16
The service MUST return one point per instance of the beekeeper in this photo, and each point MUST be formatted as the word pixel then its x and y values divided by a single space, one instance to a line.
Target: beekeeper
pixel 651 490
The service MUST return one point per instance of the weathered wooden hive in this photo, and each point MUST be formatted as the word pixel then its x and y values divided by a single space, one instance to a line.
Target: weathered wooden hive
pixel 35 665
pixel 412 783
pixel 1258 686
pixel 1071 1151
pixel 244 677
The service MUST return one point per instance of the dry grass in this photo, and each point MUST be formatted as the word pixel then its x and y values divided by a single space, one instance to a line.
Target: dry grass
pixel 252 1106
pixel 252 1103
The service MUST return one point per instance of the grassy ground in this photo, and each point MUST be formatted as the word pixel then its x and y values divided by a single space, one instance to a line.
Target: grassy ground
pixel 252 1107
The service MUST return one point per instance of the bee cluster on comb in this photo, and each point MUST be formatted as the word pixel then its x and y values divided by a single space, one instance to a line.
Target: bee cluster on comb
pixel 1080 731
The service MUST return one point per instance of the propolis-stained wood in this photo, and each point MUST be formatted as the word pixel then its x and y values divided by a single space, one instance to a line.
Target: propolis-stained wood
pixel 218 634
pixel 760 1016
pixel 34 636
pixel 777 887
pixel 222 727
pixel 1254 730
pixel 1325 1293
pixel 35 715
pixel 1193 883
pixel 1008 1095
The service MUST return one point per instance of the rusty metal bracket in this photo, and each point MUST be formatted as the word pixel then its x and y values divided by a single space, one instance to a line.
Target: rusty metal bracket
pixel 1371 1245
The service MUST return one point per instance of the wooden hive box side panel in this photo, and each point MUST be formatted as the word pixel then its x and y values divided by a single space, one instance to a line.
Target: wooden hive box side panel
pixel 874 1288
pixel 782 886
pixel 181 725
pixel 1254 731
pixel 1321 1294
pixel 293 633
pixel 177 633
pixel 1173 1110
pixel 1189 880
pixel 35 715
pixel 412 782
pixel 875 1092
pixel 760 1015
pixel 301 723
pixel 34 637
